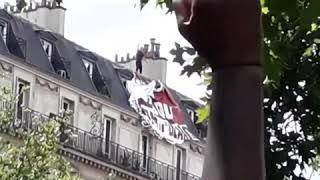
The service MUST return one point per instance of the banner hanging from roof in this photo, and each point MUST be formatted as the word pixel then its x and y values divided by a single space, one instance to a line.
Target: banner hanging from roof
pixel 159 111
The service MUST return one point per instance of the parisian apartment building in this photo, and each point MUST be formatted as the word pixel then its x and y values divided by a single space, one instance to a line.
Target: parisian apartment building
pixel 123 123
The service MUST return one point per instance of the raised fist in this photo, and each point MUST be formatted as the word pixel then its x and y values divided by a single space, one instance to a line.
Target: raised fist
pixel 225 32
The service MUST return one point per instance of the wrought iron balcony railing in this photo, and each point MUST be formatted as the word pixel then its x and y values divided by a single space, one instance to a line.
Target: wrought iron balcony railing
pixel 106 151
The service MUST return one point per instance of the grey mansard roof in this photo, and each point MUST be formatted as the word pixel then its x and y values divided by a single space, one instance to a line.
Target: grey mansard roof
pixel 25 46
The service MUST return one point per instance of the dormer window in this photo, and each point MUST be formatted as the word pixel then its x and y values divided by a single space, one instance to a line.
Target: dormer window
pixel 89 67
pixel 3 31
pixel 191 115
pixel 47 47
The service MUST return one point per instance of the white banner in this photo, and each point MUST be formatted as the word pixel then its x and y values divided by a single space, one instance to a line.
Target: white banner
pixel 159 111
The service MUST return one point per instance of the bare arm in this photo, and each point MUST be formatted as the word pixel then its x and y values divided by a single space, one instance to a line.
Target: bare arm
pixel 228 34
pixel 235 147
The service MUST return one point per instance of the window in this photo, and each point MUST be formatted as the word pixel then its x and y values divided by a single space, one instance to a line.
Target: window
pixel 178 164
pixel 180 157
pixel 47 47
pixel 108 133
pixel 144 151
pixel 23 97
pixel 89 67
pixel 191 115
pixel 3 31
pixel 67 105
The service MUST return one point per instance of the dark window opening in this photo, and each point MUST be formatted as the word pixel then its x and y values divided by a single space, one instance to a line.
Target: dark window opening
pixel 23 97
pixel 178 164
pixel 98 80
pixel 192 115
pixel 47 47
pixel 16 46
pixel 3 31
pixel 108 135
pixel 89 67
pixel 67 106
pixel 144 151
pixel 58 63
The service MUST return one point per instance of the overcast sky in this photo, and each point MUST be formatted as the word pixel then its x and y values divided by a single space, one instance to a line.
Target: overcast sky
pixel 117 26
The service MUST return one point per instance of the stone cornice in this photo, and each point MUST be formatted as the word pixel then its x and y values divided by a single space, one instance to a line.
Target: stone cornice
pixel 196 148
pixel 45 83
pixel 128 119
pixel 6 67
pixel 88 102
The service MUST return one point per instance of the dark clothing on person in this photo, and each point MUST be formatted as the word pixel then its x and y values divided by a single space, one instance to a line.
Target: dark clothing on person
pixel 139 61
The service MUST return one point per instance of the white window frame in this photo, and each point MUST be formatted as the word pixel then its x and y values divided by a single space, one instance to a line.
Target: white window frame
pixel 5 31
pixel 191 114
pixel 46 44
pixel 181 162
pixel 108 119
pixel 145 166
pixel 25 84
pixel 25 94
pixel 70 103
pixel 89 64
pixel 67 101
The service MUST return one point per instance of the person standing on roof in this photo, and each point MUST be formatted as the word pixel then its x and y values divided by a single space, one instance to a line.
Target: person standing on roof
pixel 139 57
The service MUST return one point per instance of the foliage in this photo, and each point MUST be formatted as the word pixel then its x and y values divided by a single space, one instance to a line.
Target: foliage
pixel 7 112
pixel 292 100
pixel 203 113
pixel 292 87
pixel 36 157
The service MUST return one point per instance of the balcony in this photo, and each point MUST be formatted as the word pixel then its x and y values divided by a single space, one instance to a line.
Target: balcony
pixel 101 149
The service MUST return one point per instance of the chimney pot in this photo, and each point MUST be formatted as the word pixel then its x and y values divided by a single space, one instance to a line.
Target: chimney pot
pixel 157 52
pixel 43 2
pixel 153 40
pixel 30 6
pixel 12 9
pixel 146 48
pixel 122 59
pixel 54 4
pixel 116 58
pixel 45 14
pixel 128 56
pixel 6 6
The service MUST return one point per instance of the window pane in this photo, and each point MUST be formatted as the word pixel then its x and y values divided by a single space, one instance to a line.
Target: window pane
pixel 47 47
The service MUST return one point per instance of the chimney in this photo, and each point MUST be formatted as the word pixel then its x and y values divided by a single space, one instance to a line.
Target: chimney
pixel 116 58
pixel 128 56
pixel 157 52
pixel 146 48
pixel 46 14
pixel 152 42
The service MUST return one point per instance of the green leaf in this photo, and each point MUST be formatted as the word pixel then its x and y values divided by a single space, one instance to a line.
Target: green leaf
pixel 283 6
pixel 190 51
pixel 317 41
pixel 265 10
pixel 310 14
pixel 308 52
pixel 272 67
pixel 314 27
pixel 203 114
